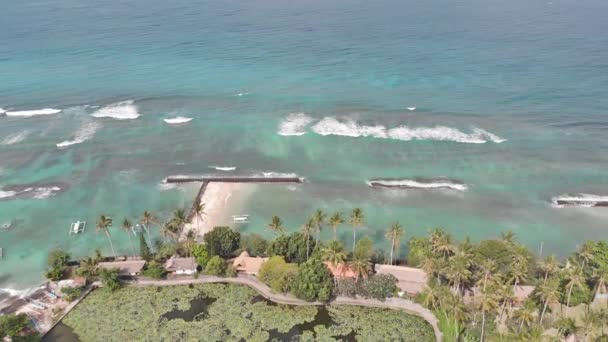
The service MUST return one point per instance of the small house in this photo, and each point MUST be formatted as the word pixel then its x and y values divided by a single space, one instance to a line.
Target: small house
pixel 125 268
pixel 340 271
pixel 179 266
pixel 247 264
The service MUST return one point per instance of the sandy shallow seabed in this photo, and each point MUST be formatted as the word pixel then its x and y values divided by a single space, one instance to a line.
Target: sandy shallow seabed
pixel 221 200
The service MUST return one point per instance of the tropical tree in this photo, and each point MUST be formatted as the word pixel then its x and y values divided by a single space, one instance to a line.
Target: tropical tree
pixel 487 304
pixel 575 277
pixel 394 234
pixel 457 272
pixel 548 293
pixel 276 225
pixel 600 276
pixel 319 218
pixel 508 238
pixel 179 219
pixel 199 211
pixel 333 253
pixel 334 221
pixel 126 226
pixel 487 267
pixel 549 266
pixel 565 326
pixel 431 295
pixel 356 220
pixel 190 242
pixel 518 269
pixel 103 225
pixel 441 243
pixel 589 320
pixel 526 314
pixel 307 229
pixel 361 267
pixel 585 253
pixel 431 266
pixel 146 220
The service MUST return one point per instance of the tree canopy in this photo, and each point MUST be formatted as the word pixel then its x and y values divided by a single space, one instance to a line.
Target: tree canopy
pixel 222 241
pixel 313 281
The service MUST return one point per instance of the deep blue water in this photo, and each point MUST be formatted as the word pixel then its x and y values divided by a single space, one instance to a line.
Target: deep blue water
pixel 533 73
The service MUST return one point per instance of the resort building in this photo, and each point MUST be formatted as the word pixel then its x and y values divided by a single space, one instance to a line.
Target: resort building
pixel 177 265
pixel 340 271
pixel 520 293
pixel 247 264
pixel 410 280
pixel 125 268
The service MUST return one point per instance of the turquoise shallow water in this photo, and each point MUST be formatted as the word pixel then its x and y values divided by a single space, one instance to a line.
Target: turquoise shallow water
pixel 530 72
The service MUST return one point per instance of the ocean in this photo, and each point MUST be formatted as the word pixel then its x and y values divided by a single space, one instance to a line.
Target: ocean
pixel 508 110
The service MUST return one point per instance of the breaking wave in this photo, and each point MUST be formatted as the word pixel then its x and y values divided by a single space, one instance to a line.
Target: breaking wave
pixel 294 124
pixel 2 111
pixel 224 168
pixel 34 112
pixel 418 184
pixel 15 138
pixel 350 128
pixel 29 192
pixel 85 133
pixel 125 110
pixel 579 200
pixel 7 194
pixel 177 120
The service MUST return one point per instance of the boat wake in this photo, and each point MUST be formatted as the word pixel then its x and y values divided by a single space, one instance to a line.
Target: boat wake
pixel 419 183
pixel 15 138
pixel 177 120
pixel 350 128
pixel 295 124
pixel 85 133
pixel 34 112
pixel 125 110
pixel 579 200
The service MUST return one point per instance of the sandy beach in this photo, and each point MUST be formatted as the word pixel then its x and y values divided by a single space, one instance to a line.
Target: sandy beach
pixel 221 200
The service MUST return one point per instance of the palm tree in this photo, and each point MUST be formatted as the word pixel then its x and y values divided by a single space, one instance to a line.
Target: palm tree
pixel 576 278
pixel 307 229
pixel 519 270
pixel 334 253
pixel 394 234
pixel 548 293
pixel 431 267
pixel 199 211
pixel 600 277
pixel 565 326
pixel 179 219
pixel 431 295
pixel 356 220
pixel 441 243
pixel 589 320
pixel 487 267
pixel 126 226
pixel 487 304
pixel 549 266
pixel 585 253
pixel 526 314
pixel 458 272
pixel 334 221
pixel 508 238
pixel 319 219
pixel 276 225
pixel 361 267
pixel 103 224
pixel 146 220
pixel 190 242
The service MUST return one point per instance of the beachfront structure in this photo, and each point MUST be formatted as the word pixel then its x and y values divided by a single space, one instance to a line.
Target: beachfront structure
pixel 178 266
pixel 248 264
pixel 520 293
pixel 410 280
pixel 125 268
pixel 340 271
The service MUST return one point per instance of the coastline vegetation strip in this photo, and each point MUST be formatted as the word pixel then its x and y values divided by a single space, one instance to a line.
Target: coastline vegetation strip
pixel 230 313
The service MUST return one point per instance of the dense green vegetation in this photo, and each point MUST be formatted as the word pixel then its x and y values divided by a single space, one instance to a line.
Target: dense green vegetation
pixel 57 262
pixel 232 313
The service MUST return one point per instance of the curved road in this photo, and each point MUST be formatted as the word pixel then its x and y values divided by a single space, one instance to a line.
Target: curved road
pixel 266 292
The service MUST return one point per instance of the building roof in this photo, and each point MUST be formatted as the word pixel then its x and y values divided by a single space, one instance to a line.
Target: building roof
pixel 340 270
pixel 248 264
pixel 124 267
pixel 522 292
pixel 411 280
pixel 176 263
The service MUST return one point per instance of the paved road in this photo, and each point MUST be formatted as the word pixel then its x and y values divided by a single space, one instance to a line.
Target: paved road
pixel 265 291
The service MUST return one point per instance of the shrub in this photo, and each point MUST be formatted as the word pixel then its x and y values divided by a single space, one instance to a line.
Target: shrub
pixel 166 250
pixel 222 241
pixel 313 281
pixel 12 325
pixel 381 286
pixel 110 280
pixel 230 271
pixel 71 293
pixel 347 287
pixel 154 270
pixel 201 255
pixel 57 262
pixel 278 274
pixel 216 266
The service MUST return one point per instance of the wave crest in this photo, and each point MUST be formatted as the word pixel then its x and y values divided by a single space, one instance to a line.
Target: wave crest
pixel 85 133
pixel 15 138
pixel 33 112
pixel 350 128
pixel 418 184
pixel 125 110
pixel 294 124
pixel 579 200
pixel 177 120
pixel 224 168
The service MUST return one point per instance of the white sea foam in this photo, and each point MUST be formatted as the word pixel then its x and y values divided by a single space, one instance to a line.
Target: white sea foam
pixel 125 110
pixel 350 128
pixel 224 168
pixel 42 193
pixel 241 94
pixel 418 184
pixel 272 174
pixel 34 112
pixel 7 194
pixel 2 111
pixel 579 200
pixel 18 293
pixel 15 138
pixel 295 124
pixel 177 120
pixel 86 132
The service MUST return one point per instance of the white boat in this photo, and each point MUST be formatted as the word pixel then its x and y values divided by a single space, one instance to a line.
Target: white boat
pixel 240 218
pixel 411 109
pixel 177 120
pixel 77 227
